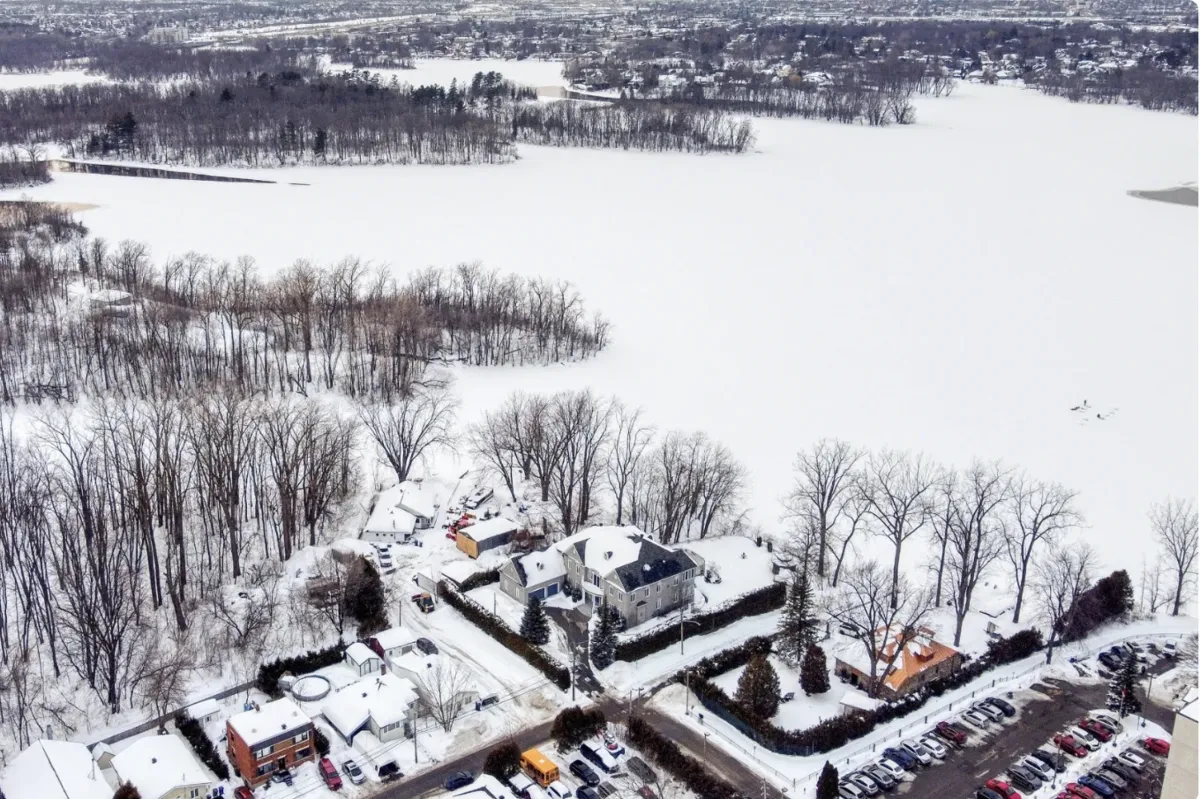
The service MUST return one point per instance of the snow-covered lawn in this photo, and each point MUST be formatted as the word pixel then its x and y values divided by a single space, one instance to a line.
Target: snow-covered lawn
pixel 529 72
pixel 37 80
pixel 802 711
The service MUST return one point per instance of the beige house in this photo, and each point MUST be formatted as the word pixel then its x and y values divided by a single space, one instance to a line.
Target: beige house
pixel 1181 778
pixel 162 767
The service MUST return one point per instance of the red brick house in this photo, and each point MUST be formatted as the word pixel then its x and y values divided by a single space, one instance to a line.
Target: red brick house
pixel 267 738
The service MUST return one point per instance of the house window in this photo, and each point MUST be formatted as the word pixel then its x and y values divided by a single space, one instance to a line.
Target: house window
pixel 266 768
pixel 194 793
pixel 301 738
pixel 259 754
pixel 595 579
pixel 657 604
pixel 658 588
pixel 303 753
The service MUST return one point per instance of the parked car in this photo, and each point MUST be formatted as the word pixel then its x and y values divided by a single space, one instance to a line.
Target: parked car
pixel 977 719
pixel 1111 723
pixel 584 772
pixel 1082 791
pixel 864 783
pixel 283 775
pixel 1053 760
pixel 329 773
pixel 936 747
pixel 949 732
pixel 426 646
pixel 920 753
pixel 848 790
pixel 646 792
pixel 390 772
pixel 1098 786
pixel 1003 788
pixel 899 756
pixel 883 778
pixel 243 792
pixel 1133 759
pixel 1112 778
pixel 1122 770
pixel 1043 771
pixel 1169 649
pixel 1110 661
pixel 613 746
pixel 557 790
pixel 995 714
pixel 1096 729
pixel 1070 744
pixel 461 779
pixel 1087 739
pixel 987 793
pixel 353 772
pixel 1156 746
pixel 1023 778
pixel 891 767
pixel 998 703
pixel 587 792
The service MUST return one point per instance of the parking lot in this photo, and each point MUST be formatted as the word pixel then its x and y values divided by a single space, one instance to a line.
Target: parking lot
pixel 1052 706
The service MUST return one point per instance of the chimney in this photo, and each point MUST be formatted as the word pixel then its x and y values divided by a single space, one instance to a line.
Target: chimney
pixel 607 555
pixel 153 760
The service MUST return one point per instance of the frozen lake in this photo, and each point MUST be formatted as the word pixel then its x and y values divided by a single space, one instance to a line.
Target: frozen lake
pixel 951 287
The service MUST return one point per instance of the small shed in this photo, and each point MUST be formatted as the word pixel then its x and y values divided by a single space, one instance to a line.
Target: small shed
pixel 457 571
pixel 853 702
pixel 485 535
pixel 205 711
pixel 360 657
pixel 393 642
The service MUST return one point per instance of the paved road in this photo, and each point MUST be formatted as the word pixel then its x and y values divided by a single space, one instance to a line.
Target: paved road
pixel 575 625
pixel 1060 705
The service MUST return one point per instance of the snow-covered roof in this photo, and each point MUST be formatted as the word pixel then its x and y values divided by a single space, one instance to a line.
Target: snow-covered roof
pixel 394 638
pixel 159 764
pixel 605 548
pixel 485 786
pixel 858 700
pixel 414 498
pixel 458 570
pixel 205 707
pixel 921 651
pixel 541 567
pixel 54 770
pixel 490 528
pixel 359 653
pixel 272 720
pixel 1191 710
pixel 390 519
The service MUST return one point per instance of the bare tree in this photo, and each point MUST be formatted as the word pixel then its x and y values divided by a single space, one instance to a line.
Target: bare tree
pixel 1153 588
pixel 407 430
pixel 443 690
pixel 631 439
pixel 824 475
pixel 489 441
pixel 1040 512
pixel 975 536
pixel 885 616
pixel 896 487
pixel 1061 577
pixel 1175 526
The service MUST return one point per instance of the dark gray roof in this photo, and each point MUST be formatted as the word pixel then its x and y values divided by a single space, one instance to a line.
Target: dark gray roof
pixel 654 563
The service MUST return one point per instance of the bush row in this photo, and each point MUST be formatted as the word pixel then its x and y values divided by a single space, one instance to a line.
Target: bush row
pixel 754 603
pixel 480 579
pixel 191 729
pixel 495 627
pixel 688 770
pixel 840 730
pixel 269 673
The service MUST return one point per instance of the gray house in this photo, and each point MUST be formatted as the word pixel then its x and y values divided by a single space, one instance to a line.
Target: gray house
pixel 640 578
pixel 538 574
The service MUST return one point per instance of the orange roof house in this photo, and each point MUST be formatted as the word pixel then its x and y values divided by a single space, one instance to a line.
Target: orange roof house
pixel 921 659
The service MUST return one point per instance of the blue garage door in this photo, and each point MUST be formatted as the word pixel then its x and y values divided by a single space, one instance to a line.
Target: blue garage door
pixel 538 594
pixel 551 590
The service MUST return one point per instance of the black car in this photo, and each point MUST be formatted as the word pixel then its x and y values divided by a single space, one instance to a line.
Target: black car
pixel 426 646
pixel 1023 778
pixel 460 780
pixel 584 772
pixel 389 771
pixel 1110 661
pixel 284 776
pixel 1051 759
pixel 987 793
pixel 586 792
pixel 1122 770
pixel 1001 705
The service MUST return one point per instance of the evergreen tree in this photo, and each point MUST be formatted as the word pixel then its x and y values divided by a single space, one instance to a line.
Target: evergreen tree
pixel 798 625
pixel 827 783
pixel 535 627
pixel 603 645
pixel 503 761
pixel 1122 692
pixel 364 597
pixel 758 688
pixel 127 790
pixel 814 673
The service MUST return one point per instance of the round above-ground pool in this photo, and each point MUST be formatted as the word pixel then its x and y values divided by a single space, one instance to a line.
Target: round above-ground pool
pixel 311 688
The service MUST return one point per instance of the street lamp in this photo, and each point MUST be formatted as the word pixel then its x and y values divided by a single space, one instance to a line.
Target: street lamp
pixel 704 749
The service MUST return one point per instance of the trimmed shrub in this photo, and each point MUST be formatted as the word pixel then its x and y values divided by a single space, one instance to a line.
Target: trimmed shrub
pixel 479 580
pixel 321 742
pixel 503 761
pixel 573 726
pixel 191 730
pixel 691 772
pixel 754 603
pixel 1019 645
pixel 269 673
pixel 494 626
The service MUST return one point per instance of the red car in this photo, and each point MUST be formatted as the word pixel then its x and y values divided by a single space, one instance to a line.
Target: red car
pixel 1003 788
pixel 329 773
pixel 1157 745
pixel 951 733
pixel 1081 791
pixel 1095 728
pixel 1068 744
pixel 242 792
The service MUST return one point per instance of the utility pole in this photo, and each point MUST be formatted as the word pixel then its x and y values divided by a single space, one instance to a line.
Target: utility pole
pixel 681 628
pixel 574 674
pixel 687 692
pixel 414 742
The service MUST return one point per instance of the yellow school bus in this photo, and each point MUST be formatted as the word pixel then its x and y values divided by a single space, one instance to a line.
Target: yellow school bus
pixel 538 767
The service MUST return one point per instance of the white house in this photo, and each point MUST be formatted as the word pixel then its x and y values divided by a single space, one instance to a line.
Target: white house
pixel 400 511
pixel 389 524
pixel 385 704
pixel 359 657
pixel 421 671
pixel 205 711
pixel 420 501
pixel 393 642
pixel 54 770
pixel 162 767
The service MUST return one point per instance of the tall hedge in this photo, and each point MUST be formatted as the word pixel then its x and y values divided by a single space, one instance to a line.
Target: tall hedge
pixel 269 673
pixel 754 603
pixel 688 770
pixel 195 735
pixel 480 579
pixel 494 626
pixel 838 731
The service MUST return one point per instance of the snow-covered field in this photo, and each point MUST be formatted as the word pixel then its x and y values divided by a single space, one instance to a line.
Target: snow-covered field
pixel 37 80
pixel 443 70
pixel 950 287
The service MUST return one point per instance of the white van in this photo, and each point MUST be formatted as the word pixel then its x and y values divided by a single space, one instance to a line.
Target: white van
pixel 525 787
pixel 557 790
